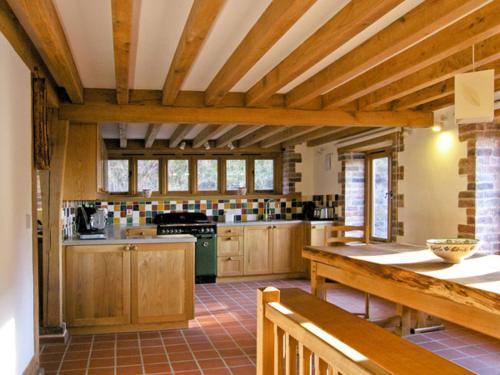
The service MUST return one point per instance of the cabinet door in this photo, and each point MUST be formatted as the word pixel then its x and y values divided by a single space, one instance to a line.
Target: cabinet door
pixel 283 248
pixel 318 235
pixel 229 246
pixel 162 282
pixel 97 285
pixel 140 232
pixel 229 266
pixel 257 250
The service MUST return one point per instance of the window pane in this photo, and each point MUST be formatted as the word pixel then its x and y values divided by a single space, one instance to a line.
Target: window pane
pixel 207 175
pixel 264 174
pixel 178 175
pixel 236 173
pixel 148 175
pixel 118 176
pixel 380 199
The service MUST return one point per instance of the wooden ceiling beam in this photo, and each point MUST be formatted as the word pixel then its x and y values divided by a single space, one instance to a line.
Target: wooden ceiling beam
pixel 199 23
pixel 318 133
pixel 285 135
pixel 343 26
pixel 22 44
pixel 344 133
pixel 464 33
pixel 211 132
pixel 179 133
pixel 151 134
pixel 122 14
pixel 485 53
pixel 419 23
pixel 122 129
pixel 40 21
pixel 236 133
pixel 152 113
pixel 260 135
pixel 276 20
pixel 497 115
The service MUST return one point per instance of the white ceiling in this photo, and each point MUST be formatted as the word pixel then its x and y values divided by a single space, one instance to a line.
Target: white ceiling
pixel 138 131
pixel 88 28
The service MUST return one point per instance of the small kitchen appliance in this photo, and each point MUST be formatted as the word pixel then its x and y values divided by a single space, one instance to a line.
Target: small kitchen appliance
pixel 205 231
pixel 90 223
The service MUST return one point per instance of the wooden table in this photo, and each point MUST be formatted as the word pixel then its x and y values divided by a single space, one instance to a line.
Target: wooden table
pixel 467 294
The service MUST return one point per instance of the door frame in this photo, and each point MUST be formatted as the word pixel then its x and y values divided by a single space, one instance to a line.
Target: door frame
pixel 370 156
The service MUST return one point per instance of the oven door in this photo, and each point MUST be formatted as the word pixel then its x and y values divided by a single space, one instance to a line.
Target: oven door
pixel 206 258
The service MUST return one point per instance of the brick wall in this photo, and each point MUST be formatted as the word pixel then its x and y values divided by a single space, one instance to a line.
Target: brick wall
pixel 353 188
pixel 397 174
pixel 481 200
pixel 290 175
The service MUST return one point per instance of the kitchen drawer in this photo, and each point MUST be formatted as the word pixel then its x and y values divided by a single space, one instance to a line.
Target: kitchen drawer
pixel 229 246
pixel 229 231
pixel 134 232
pixel 229 266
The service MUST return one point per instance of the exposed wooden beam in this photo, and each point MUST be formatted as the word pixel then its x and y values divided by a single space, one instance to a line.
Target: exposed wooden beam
pixel 260 135
pixel 201 19
pixel 151 134
pixel 420 22
pixel 347 132
pixel 484 53
pixel 285 135
pixel 122 129
pixel 434 92
pixel 472 29
pixel 238 132
pixel 211 132
pixel 151 113
pixel 20 41
pixel 345 24
pixel 122 13
pixel 41 22
pixel 179 133
pixel 318 133
pixel 279 16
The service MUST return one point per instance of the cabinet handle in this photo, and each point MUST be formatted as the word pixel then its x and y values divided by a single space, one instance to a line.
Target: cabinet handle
pixel 229 238
pixel 141 233
pixel 230 258
pixel 313 227
pixel 126 248
pixel 274 226
pixel 134 248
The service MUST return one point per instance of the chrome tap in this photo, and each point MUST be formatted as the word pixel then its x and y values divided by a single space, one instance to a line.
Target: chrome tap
pixel 267 209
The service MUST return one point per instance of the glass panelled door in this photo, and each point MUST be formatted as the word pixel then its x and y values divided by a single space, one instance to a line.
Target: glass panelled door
pixel 380 196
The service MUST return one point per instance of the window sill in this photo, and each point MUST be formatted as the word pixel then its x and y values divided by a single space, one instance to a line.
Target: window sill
pixel 112 197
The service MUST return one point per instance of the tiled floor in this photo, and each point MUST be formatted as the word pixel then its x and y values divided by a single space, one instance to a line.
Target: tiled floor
pixel 221 340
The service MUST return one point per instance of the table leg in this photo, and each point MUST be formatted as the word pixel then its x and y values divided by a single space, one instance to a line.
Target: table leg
pixel 405 314
pixel 317 282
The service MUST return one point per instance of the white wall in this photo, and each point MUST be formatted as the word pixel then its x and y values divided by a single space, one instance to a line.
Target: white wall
pixel 16 270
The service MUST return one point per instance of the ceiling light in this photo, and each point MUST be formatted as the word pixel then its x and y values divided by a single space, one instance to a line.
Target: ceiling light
pixel 182 146
pixel 231 146
pixel 436 128
pixel 207 146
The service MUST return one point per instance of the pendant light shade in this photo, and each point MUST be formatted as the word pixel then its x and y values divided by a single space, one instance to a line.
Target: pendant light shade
pixel 474 97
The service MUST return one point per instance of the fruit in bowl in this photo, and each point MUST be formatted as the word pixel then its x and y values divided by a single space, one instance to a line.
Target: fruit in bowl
pixel 453 250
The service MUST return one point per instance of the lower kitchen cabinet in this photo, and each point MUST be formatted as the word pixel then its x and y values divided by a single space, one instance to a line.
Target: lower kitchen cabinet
pixel 230 266
pixel 129 286
pixel 97 285
pixel 258 250
pixel 284 247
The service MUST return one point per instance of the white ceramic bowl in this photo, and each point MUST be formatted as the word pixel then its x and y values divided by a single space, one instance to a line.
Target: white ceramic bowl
pixel 453 250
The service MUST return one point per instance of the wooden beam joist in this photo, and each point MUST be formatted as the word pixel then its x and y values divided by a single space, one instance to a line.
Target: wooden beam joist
pixel 485 53
pixel 211 132
pixel 471 29
pixel 122 129
pixel 200 21
pixel 179 133
pixel 151 134
pixel 419 23
pixel 276 20
pixel 237 132
pixel 152 113
pixel 41 22
pixel 286 135
pixel 347 132
pixel 344 25
pixel 318 133
pixel 122 13
pixel 22 44
pixel 260 135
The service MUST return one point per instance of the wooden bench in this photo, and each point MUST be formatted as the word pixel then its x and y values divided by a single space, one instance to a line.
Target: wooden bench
pixel 297 331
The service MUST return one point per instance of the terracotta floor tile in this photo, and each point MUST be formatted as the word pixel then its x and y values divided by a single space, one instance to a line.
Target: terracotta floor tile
pixel 153 350
pixel 127 361
pixel 103 345
pixel 72 356
pixel 129 370
pixel 72 372
pixel 123 352
pixel 155 358
pixel 102 353
pixel 216 371
pixel 151 342
pixel 102 362
pixel 50 357
pixel 101 371
pixel 244 370
pixel 183 356
pixel 79 347
pixel 210 363
pixel 237 361
pixel 231 353
pixel 50 366
pixel 177 348
pixel 157 368
pixel 106 337
pixel 184 366
pixel 74 365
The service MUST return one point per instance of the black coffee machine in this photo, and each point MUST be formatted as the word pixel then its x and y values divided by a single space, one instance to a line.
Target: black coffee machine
pixel 84 223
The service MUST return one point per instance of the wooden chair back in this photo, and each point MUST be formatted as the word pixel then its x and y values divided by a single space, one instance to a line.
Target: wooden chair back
pixel 337 235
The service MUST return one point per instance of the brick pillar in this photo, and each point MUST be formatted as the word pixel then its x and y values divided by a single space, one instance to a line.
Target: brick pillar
pixel 353 188
pixel 290 175
pixel 481 200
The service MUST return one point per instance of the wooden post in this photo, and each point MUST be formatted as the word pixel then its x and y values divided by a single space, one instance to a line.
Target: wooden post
pixel 317 282
pixel 304 360
pixel 279 351
pixel 291 355
pixel 405 314
pixel 53 284
pixel 265 331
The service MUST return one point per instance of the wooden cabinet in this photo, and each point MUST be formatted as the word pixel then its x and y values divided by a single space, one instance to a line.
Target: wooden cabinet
pixel 285 247
pixel 84 171
pixel 97 285
pixel 317 234
pixel 230 266
pixel 230 251
pixel 140 232
pixel 230 246
pixel 162 282
pixel 257 250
